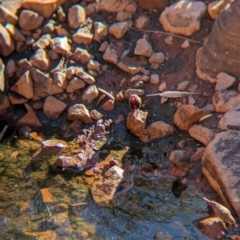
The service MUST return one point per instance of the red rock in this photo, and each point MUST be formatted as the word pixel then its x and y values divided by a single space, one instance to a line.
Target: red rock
pixel 108 105
pixel 53 107
pixel 79 112
pixel 224 81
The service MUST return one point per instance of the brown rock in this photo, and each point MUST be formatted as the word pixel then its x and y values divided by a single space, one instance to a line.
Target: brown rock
pixel 81 55
pixel 130 91
pixel 61 32
pixel 179 157
pixel 60 45
pixel 118 30
pixel 79 112
pixel 24 86
pixel 93 65
pixel 30 119
pixel 11 68
pixel 143 48
pixel 220 165
pixel 59 78
pixel 153 4
pixel 43 42
pixel 186 115
pixel 224 81
pixel 40 60
pixel 45 8
pixel 4 103
pixel 108 105
pixel 215 8
pixel 183 17
pixel 200 133
pixel 122 16
pixel 7 16
pixel 183 85
pixel 226 100
pixel 95 115
pixel 75 84
pixel 168 40
pixel 16 99
pixel 26 17
pixel 61 14
pixel 53 55
pixel 185 44
pixel 6 43
pixel 2 77
pixel 103 47
pixel 230 120
pixel 15 33
pixel 83 36
pixel 100 31
pixel 197 155
pixel 85 76
pixel 142 22
pixel 113 5
pixel 46 195
pixel 76 16
pixel 90 94
pixel 154 79
pixel 53 107
pixel 157 58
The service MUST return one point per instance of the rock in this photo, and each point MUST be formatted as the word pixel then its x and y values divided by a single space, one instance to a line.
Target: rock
pixel 7 16
pixel 118 30
pixel 43 42
pixel 49 147
pixel 157 58
pixel 111 54
pixel 153 4
pixel 197 155
pixel 95 115
pixel 213 227
pixel 185 44
pixel 220 165
pixel 142 22
pixel 16 99
pixel 186 115
pixel 76 16
pixel 93 65
pixel 30 119
pixel 6 43
pixel 183 17
pixel 100 31
pixel 24 86
pixel 53 107
pixel 136 122
pixel 83 36
pixel 131 7
pixel 59 78
pixel 11 68
pixel 140 77
pixel 154 79
pixel 103 47
pixel 4 103
pixel 48 27
pixel 40 60
pixel 46 195
pixel 79 112
pixel 183 85
pixel 230 121
pixel 162 87
pixel 61 32
pixel 75 84
pixel 60 45
pixel 49 234
pixel 132 69
pixel 130 91
pixel 179 157
pixel 85 76
pixel 123 16
pixel 215 8
pixel 2 77
pixel 224 81
pixel 112 185
pixel 53 55
pixel 168 40
pixel 226 100
pixel 90 94
pixel 16 35
pixel 156 130
pixel 81 55
pixel 113 5
pixel 143 48
pixel 108 105
pixel 61 14
pixel 45 8
pixel 26 17
pixel 202 134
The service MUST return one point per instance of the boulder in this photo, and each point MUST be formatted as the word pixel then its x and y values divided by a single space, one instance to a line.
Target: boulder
pixel 220 165
pixel 43 42
pixel 108 105
pixel 53 107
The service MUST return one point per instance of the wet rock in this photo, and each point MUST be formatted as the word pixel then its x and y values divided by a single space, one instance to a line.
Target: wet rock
pixel 46 195
pixel 215 8
pixel 153 4
pixel 30 118
pixel 211 227
pixel 111 188
pixel 185 44
pixel 129 92
pixel 142 22
pixel 16 35
pixel 6 43
pixel 179 157
pixel 4 103
pixel 157 58
pixel 26 17
pixel 7 16
pixel 60 45
pixel 85 76
pixel 49 234
pixel 183 85
pixel 45 8
pixel 108 105
pixel 81 55
pixel 200 133
pixel 143 48
pixel 24 86
pixel 40 60
pixel 230 120
pixel 113 5
pixel 220 164
pixel 156 130
pixel 60 79
pixel 90 94
pixel 43 42
pixel 118 30
pixel 154 79
pixel 11 68
pixel 186 115
pixel 95 115
pixel 53 107
pixel 75 84
pixel 79 112
pixel 183 17
pixel 123 16
pixel 83 36
pixel 76 16
pixel 100 31
pixel 226 100
pixel 49 147
pixel 224 81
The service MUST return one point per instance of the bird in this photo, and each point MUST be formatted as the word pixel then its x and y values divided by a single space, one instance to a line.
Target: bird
pixel 135 101
pixel 221 212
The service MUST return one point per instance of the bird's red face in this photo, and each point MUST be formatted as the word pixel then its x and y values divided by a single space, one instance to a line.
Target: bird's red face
pixel 133 99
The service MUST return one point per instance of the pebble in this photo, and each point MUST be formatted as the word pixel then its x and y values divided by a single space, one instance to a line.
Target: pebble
pixel 28 16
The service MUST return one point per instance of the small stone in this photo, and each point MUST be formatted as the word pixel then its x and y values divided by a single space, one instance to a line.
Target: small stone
pixel 53 55
pixel 60 79
pixel 79 112
pixel 151 5
pixel 70 72
pixel 154 79
pixel 103 47
pixel 182 144
pixel 118 30
pixel 123 16
pixel 16 99
pixel 162 87
pixel 30 41
pixel 113 5
pixel 215 8
pixel 46 195
pixel 48 27
pixel 40 60
pixel 224 81
pixel 183 85
pixel 131 7
pixel 143 48
pixel 157 58
pixel 142 22
pixel 6 43
pixel 43 42
pixel 95 115
pixel 60 45
pixel 7 16
pixel 191 100
pixel 11 68
pixel 36 35
pixel 108 105
pixel 179 157
pixel 90 94
pixel 37 105
pixel 230 121
pixel 85 76
pixel 185 44
pixel 93 65
pixel 202 134
pixel 83 36
pixel 129 92
pixel 81 55
pixel 15 33
pixel 4 103
pixel 100 31
pixel 168 40
pixel 61 14
pixel 182 17
pixel 91 8
pixel 2 77
pixel 120 96
pixel 26 17
pixel 53 107
pixel 76 16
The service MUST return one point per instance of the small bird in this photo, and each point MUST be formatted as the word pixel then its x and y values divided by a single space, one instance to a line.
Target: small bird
pixel 135 101
pixel 222 212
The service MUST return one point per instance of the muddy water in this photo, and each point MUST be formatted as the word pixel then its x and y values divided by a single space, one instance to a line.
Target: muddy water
pixel 150 210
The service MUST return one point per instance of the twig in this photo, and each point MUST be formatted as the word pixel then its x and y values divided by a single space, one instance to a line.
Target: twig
pixel 166 33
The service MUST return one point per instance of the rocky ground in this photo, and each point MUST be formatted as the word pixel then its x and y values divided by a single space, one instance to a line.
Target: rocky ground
pixel 69 68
